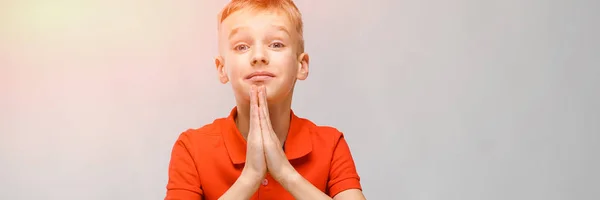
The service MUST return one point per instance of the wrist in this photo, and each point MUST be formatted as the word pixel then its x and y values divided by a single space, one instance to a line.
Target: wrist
pixel 243 188
pixel 247 185
pixel 251 178
pixel 289 177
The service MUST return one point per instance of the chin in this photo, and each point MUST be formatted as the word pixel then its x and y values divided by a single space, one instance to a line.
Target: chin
pixel 275 93
pixel 272 92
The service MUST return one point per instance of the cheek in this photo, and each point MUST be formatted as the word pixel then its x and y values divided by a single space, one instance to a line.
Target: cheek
pixel 234 68
pixel 286 61
pixel 288 69
pixel 292 67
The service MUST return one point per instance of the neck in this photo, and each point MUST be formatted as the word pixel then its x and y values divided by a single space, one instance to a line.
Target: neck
pixel 279 115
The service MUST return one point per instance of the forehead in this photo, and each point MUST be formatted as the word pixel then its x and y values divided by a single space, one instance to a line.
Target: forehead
pixel 255 20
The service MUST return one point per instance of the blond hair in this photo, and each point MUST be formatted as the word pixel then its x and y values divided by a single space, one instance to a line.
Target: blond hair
pixel 286 6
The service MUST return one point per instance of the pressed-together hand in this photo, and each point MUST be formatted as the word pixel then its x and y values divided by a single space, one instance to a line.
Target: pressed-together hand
pixel 264 151
pixel 277 163
pixel 265 154
pixel 255 158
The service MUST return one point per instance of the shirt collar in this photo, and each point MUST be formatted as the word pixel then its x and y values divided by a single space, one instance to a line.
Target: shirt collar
pixel 297 144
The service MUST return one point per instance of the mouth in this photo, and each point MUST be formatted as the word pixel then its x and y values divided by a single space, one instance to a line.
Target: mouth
pixel 260 76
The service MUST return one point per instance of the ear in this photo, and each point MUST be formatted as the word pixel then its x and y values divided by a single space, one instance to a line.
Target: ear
pixel 221 69
pixel 302 66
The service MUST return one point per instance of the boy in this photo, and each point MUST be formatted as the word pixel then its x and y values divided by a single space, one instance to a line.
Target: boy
pixel 262 150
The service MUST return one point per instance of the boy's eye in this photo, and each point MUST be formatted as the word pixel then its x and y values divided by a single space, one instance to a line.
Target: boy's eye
pixel 241 47
pixel 277 45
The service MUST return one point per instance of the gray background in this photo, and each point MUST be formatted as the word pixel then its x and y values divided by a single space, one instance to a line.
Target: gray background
pixel 437 99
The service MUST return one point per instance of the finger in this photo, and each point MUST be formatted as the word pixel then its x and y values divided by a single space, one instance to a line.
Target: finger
pixel 264 108
pixel 268 134
pixel 265 133
pixel 263 96
pixel 255 133
pixel 254 116
pixel 253 96
pixel 252 110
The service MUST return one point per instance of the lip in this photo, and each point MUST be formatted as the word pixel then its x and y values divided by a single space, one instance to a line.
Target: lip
pixel 260 76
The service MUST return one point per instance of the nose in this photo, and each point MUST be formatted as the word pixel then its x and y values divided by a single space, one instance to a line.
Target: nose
pixel 259 56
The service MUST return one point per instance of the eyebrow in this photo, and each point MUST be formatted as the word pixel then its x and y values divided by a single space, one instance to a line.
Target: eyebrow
pixel 281 28
pixel 236 30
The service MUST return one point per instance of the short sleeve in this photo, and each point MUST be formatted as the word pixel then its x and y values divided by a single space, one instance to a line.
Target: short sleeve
pixel 184 180
pixel 342 174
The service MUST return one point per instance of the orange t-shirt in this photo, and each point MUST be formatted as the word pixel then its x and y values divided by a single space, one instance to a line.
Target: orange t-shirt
pixel 205 162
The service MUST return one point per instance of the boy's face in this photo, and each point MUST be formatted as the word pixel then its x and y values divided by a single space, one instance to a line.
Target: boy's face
pixel 260 48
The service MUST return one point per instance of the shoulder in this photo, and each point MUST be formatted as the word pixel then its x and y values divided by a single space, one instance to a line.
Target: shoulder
pixel 197 135
pixel 324 133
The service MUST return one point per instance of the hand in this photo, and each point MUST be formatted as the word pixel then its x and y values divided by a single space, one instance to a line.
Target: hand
pixel 255 167
pixel 277 163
